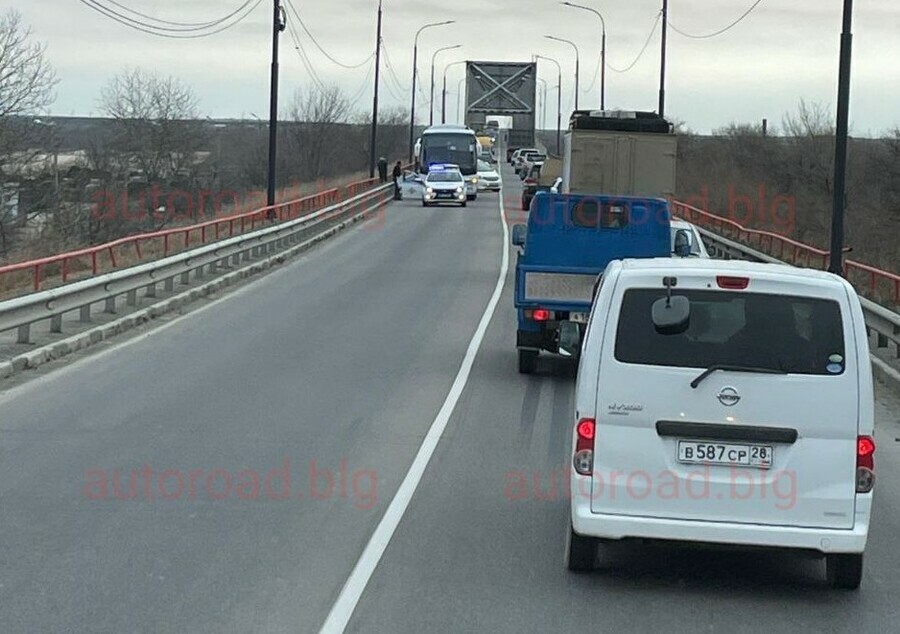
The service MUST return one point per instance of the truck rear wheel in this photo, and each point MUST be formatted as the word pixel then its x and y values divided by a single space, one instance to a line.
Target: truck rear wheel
pixel 528 361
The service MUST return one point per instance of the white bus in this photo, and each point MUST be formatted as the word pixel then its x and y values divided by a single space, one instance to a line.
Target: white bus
pixel 455 144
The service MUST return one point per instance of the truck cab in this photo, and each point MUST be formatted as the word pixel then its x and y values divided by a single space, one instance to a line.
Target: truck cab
pixel 568 241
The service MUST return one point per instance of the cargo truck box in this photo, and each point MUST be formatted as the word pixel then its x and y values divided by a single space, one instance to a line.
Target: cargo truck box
pixel 619 154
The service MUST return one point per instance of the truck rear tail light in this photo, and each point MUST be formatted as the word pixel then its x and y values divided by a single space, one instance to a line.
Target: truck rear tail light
pixel 584 446
pixel 538 314
pixel 738 283
pixel 865 464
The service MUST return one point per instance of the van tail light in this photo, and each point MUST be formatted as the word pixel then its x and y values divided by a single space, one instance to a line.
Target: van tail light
pixel 865 464
pixel 584 446
pixel 735 283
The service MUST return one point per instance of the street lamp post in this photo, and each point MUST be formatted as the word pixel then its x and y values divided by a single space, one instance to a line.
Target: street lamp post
pixel 374 132
pixel 577 56
pixel 602 50
pixel 412 110
pixel 431 98
pixel 558 102
pixel 279 23
pixel 662 59
pixel 840 154
pixel 444 93
pixel 543 103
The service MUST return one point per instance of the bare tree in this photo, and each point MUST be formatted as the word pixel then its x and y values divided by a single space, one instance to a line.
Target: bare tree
pixel 26 78
pixel 158 131
pixel 811 133
pixel 393 131
pixel 317 115
pixel 26 89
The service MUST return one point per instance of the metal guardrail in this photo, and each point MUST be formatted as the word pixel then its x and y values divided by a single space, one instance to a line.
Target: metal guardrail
pixel 103 257
pixel 23 312
pixel 881 286
pixel 880 321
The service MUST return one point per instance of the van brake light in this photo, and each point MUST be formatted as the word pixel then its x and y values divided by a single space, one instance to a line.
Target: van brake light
pixel 738 283
pixel 865 464
pixel 540 314
pixel 583 460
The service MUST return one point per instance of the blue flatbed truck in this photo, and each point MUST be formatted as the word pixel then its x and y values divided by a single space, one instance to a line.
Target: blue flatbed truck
pixel 563 249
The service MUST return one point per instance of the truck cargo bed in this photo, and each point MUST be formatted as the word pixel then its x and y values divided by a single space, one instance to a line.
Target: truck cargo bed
pixel 556 288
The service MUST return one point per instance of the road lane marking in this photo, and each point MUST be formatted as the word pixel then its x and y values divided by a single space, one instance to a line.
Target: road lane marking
pixel 343 608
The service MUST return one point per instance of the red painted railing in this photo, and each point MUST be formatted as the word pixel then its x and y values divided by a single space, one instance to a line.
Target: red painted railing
pixel 107 256
pixel 878 285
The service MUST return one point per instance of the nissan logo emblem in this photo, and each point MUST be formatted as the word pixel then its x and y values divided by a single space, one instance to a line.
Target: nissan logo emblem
pixel 728 396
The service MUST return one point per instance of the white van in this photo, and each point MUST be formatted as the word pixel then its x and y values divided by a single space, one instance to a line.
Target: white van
pixel 724 402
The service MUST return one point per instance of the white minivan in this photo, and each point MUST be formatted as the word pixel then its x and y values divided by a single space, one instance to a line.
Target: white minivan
pixel 724 402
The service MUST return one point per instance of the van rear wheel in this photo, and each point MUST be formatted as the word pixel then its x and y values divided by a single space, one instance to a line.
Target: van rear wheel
pixel 580 552
pixel 844 571
pixel 528 361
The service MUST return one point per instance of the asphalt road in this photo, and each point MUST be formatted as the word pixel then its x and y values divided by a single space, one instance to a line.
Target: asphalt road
pixel 340 358
pixel 476 552
pixel 345 357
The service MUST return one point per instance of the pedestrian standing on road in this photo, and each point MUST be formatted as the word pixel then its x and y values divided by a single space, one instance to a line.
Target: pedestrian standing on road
pixel 382 169
pixel 398 173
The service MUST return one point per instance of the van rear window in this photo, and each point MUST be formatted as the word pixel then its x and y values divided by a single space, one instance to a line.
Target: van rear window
pixel 798 335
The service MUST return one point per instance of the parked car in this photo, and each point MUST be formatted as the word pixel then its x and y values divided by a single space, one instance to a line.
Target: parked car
pixel 724 402
pixel 488 178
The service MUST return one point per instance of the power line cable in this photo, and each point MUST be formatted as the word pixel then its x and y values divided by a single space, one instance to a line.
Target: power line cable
pixel 122 18
pixel 391 71
pixel 719 32
pixel 399 96
pixel 643 49
pixel 198 26
pixel 304 58
pixel 365 85
pixel 94 5
pixel 595 77
pixel 319 46
pixel 419 81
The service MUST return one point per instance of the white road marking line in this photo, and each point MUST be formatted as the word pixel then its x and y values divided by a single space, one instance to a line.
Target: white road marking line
pixel 343 608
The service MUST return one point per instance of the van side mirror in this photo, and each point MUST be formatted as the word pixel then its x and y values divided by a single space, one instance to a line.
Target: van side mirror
pixel 671 315
pixel 518 235
pixel 682 243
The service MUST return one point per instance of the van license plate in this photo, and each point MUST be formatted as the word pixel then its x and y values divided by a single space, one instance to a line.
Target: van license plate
pixel 578 318
pixel 717 453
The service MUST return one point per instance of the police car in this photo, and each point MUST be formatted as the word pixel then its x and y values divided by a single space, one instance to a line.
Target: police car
pixel 444 184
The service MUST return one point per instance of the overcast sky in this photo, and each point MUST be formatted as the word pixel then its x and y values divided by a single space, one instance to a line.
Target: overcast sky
pixel 784 51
